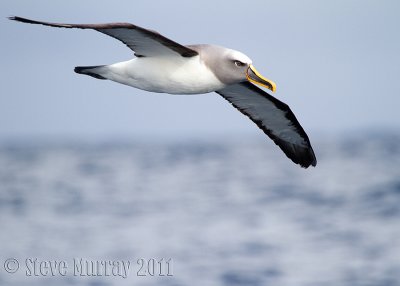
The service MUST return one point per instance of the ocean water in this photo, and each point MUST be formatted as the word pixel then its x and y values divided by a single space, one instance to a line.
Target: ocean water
pixel 234 212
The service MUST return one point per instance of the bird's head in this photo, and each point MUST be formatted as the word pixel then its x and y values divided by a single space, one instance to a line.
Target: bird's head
pixel 232 67
pixel 241 68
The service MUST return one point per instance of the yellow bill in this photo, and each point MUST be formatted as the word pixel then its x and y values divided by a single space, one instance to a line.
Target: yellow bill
pixel 255 77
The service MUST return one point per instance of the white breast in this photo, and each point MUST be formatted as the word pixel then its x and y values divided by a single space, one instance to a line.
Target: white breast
pixel 174 75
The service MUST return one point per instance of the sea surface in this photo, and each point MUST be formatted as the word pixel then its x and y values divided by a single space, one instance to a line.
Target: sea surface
pixel 212 212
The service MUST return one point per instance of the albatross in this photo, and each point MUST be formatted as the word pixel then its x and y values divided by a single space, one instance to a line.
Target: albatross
pixel 165 66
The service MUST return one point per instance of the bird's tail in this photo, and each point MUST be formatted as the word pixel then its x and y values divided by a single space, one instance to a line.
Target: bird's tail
pixel 94 71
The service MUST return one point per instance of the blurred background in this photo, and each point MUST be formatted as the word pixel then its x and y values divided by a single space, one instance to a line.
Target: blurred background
pixel 95 170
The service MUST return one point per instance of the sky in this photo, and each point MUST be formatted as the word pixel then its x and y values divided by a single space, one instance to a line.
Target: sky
pixel 336 64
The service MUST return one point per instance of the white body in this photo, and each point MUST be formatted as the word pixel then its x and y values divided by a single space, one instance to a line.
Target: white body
pixel 175 75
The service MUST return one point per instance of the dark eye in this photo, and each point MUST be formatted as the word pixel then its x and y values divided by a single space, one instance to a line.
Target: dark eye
pixel 239 63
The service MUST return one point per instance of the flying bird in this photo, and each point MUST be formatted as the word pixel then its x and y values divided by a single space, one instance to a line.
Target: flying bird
pixel 165 66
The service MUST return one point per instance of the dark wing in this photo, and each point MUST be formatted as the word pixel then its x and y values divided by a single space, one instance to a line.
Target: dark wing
pixel 143 42
pixel 274 118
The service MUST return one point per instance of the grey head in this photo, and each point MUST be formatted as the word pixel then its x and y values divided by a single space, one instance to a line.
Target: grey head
pixel 231 66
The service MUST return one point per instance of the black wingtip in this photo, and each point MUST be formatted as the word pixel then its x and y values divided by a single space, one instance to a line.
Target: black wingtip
pixel 308 159
pixel 302 155
pixel 78 70
pixel 20 19
pixel 25 20
pixel 307 163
